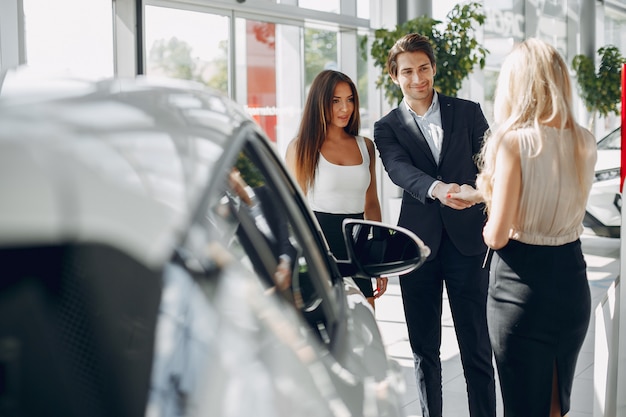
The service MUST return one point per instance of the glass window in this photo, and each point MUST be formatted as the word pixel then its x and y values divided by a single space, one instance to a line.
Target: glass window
pixel 363 89
pixel 611 141
pixel 363 9
pixel 441 8
pixel 331 6
pixel 615 29
pixel 268 76
pixel 490 80
pixel 253 220
pixel 551 23
pixel 74 37
pixel 187 44
pixel 504 26
pixel 260 70
pixel 320 53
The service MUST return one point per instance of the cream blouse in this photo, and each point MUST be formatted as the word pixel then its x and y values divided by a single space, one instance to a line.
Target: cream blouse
pixel 552 203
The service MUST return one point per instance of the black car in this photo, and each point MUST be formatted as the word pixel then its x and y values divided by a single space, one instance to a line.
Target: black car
pixel 157 259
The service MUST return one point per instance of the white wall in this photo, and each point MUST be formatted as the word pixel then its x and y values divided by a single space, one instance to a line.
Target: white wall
pixel 11 34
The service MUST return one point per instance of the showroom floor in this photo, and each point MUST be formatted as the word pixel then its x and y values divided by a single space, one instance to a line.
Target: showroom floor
pixel 602 256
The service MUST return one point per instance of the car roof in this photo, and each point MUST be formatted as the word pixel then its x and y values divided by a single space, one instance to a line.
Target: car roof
pixel 119 161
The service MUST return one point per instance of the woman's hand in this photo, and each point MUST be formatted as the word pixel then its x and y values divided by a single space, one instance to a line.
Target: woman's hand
pixel 467 195
pixel 381 287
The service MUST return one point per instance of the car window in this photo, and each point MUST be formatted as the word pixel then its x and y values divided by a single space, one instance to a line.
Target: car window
pixel 252 217
pixel 613 141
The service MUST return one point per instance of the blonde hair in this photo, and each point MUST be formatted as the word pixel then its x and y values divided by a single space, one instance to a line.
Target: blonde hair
pixel 533 89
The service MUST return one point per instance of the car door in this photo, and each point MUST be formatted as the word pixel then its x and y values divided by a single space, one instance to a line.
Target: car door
pixel 260 217
pixel 254 211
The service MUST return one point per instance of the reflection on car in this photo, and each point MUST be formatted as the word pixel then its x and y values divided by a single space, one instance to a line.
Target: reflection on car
pixel 604 207
pixel 158 260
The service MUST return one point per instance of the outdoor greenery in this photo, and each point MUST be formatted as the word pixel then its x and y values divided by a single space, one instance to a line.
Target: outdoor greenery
pixel 600 90
pixel 320 52
pixel 457 51
pixel 173 58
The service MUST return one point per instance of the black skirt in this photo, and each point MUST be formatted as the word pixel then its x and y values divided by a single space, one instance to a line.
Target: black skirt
pixel 538 312
pixel 331 226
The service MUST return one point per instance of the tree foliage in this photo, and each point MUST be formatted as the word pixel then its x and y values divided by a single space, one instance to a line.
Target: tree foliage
pixel 320 52
pixel 456 48
pixel 600 90
pixel 174 58
pixel 219 78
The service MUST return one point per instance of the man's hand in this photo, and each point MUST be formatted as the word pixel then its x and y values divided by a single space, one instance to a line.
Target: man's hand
pixel 458 197
pixel 282 276
pixel 468 194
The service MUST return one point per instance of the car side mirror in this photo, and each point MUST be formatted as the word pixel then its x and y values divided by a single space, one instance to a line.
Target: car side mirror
pixel 378 250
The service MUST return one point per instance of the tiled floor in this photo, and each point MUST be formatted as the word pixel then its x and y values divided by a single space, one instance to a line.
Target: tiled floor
pixel 602 256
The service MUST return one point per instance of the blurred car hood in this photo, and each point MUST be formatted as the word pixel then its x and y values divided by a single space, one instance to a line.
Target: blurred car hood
pixel 608 159
pixel 79 170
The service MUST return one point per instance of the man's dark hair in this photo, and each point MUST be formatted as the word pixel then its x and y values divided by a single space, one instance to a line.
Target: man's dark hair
pixel 412 42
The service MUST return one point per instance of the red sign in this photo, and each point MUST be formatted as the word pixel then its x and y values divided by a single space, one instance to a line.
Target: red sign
pixel 261 73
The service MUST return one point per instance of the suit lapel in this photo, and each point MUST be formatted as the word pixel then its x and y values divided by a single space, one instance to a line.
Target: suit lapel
pixel 414 137
pixel 446 109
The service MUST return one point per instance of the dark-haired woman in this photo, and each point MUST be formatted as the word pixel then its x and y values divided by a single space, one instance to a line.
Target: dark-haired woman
pixel 334 165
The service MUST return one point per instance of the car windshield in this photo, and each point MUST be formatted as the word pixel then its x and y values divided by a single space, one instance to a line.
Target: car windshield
pixel 612 141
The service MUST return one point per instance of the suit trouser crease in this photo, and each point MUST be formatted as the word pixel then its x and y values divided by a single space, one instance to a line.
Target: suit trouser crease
pixel 422 293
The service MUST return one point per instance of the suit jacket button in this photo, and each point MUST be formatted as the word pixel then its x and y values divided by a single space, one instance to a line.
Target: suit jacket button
pixel 439 177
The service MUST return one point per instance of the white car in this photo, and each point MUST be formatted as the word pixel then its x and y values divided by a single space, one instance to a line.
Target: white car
pixel 141 276
pixel 604 208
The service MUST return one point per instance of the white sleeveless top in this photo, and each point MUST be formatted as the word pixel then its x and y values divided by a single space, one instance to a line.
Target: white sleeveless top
pixel 551 207
pixel 340 189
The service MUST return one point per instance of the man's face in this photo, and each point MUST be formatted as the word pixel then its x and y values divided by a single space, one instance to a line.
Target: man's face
pixel 415 76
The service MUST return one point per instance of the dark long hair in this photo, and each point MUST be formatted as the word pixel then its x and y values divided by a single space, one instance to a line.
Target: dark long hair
pixel 316 117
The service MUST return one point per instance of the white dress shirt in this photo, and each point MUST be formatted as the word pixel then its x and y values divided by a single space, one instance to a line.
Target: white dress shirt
pixel 431 127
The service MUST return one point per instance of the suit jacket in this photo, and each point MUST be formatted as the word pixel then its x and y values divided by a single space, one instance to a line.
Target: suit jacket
pixel 410 164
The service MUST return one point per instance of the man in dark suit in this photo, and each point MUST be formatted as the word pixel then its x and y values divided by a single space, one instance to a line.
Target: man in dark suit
pixel 427 145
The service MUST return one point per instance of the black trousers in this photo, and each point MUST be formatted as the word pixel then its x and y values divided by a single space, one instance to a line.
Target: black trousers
pixel 331 225
pixel 422 290
pixel 538 312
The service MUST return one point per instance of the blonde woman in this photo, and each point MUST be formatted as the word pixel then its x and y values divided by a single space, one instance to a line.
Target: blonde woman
pixel 536 173
pixel 334 166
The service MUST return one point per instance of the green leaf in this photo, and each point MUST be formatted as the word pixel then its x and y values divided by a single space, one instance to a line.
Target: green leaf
pixel 600 90
pixel 457 52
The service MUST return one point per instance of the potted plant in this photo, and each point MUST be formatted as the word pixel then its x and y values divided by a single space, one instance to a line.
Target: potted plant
pixel 600 90
pixel 457 51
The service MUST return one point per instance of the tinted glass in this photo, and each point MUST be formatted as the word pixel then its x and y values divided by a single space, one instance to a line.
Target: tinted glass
pixel 252 219
pixel 613 141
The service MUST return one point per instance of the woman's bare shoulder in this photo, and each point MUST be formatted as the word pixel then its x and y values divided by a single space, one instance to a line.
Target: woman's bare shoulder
pixel 512 139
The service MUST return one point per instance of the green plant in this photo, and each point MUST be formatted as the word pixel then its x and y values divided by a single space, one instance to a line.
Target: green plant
pixel 456 49
pixel 601 90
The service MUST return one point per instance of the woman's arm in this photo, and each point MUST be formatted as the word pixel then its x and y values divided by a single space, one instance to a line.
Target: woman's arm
pixel 372 208
pixel 507 186
pixel 372 205
pixel 290 157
